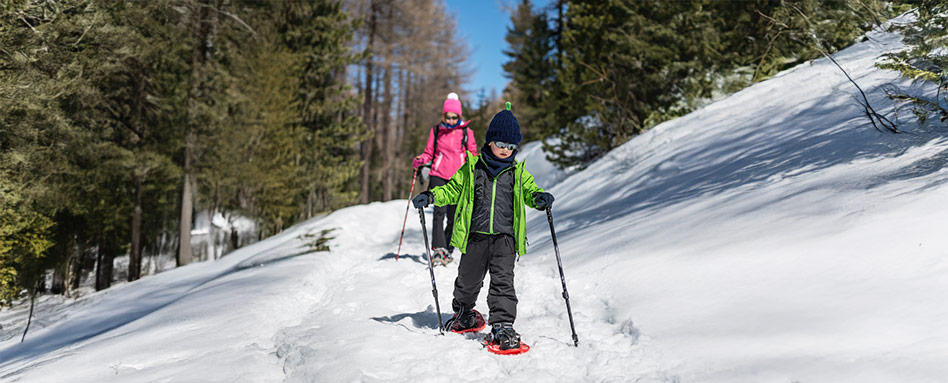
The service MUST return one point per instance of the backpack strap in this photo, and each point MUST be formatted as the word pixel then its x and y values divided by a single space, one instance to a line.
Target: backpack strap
pixel 464 140
pixel 434 132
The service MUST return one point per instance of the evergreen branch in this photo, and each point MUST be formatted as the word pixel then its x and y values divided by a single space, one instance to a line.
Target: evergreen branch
pixel 601 73
pixel 253 33
pixel 96 18
pixel 934 106
pixel 872 13
pixel 30 25
pixel 770 45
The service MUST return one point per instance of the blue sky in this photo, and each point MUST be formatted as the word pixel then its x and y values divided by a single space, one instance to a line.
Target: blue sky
pixel 483 23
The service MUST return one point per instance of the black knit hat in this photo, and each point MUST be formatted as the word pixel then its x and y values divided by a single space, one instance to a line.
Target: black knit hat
pixel 504 128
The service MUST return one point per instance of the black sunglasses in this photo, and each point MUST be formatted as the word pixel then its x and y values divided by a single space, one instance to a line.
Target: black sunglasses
pixel 504 145
pixel 451 117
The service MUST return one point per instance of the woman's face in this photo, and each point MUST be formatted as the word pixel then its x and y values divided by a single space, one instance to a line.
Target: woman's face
pixel 500 153
pixel 451 118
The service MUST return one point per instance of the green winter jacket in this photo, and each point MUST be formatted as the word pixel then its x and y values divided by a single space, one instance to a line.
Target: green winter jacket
pixel 460 191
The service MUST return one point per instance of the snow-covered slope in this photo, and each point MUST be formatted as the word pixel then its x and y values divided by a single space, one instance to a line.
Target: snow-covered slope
pixel 773 236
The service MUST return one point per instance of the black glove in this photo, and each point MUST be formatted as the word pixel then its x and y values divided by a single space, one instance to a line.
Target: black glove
pixel 543 200
pixel 422 200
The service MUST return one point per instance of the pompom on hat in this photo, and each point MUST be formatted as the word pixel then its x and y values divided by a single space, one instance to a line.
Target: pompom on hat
pixel 452 104
pixel 504 127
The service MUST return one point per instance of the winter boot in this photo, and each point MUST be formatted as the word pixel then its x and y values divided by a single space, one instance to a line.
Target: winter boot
pixel 437 256
pixel 441 256
pixel 503 334
pixel 447 255
pixel 466 320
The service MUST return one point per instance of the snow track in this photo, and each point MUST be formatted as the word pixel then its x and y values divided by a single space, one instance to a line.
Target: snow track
pixel 383 319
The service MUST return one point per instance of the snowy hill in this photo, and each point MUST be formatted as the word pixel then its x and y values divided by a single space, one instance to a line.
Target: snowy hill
pixel 773 236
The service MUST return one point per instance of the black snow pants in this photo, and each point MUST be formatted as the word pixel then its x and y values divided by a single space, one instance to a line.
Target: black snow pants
pixel 441 234
pixel 494 253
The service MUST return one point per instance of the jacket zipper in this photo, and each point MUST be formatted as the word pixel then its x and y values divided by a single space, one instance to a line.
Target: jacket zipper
pixel 493 197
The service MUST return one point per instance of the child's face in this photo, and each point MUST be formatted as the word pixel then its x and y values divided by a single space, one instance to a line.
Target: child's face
pixel 500 153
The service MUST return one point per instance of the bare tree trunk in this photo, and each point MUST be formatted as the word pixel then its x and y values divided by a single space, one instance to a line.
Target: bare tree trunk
pixel 29 319
pixel 366 146
pixel 135 253
pixel 185 254
pixel 205 28
pixel 76 277
pixel 399 134
pixel 105 259
pixel 60 284
pixel 59 279
pixel 388 146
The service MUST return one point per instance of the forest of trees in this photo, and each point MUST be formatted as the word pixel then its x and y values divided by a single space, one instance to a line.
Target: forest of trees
pixel 588 75
pixel 119 120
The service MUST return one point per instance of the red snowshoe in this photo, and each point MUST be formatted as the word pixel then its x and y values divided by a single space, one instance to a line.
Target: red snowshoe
pixel 463 322
pixel 504 340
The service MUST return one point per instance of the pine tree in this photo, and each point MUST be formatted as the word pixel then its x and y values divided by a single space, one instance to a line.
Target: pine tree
pixel 319 34
pixel 624 66
pixel 531 70
pixel 925 61
pixel 25 236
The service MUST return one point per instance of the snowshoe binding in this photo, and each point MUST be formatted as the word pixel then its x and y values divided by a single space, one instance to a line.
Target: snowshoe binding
pixel 466 321
pixel 437 258
pixel 504 340
pixel 441 256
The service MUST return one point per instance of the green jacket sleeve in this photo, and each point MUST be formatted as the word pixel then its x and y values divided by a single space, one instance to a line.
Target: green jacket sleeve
pixel 450 193
pixel 529 187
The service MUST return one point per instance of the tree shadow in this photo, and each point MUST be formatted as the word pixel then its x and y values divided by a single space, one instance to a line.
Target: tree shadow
pixel 414 258
pixel 128 305
pixel 756 152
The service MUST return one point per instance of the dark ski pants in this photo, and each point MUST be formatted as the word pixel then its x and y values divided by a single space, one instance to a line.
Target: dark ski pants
pixel 494 253
pixel 441 234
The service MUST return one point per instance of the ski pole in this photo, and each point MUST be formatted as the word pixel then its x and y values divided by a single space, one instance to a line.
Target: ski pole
pixel 559 263
pixel 410 190
pixel 434 286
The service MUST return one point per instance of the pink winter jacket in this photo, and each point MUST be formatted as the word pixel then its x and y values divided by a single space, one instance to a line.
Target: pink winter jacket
pixel 450 155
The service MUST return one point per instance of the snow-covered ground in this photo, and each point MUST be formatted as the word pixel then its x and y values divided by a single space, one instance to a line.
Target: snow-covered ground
pixel 773 236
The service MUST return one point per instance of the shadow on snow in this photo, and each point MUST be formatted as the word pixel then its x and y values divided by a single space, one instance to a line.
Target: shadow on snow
pixel 414 258
pixel 427 319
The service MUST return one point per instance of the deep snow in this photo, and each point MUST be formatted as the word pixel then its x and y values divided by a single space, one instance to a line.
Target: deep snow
pixel 773 236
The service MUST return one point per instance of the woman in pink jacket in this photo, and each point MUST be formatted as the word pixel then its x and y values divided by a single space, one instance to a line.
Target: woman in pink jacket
pixel 445 152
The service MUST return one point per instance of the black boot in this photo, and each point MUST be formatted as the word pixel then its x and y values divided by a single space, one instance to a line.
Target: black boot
pixel 464 320
pixel 503 334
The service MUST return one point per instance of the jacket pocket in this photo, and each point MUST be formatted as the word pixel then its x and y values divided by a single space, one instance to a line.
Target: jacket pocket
pixel 437 161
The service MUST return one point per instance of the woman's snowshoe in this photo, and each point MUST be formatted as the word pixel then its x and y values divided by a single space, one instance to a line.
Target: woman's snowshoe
pixel 466 321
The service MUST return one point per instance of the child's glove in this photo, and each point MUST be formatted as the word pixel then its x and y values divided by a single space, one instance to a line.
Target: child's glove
pixel 422 200
pixel 417 162
pixel 543 200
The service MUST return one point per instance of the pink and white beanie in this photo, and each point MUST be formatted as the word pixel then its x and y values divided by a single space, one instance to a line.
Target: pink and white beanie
pixel 452 104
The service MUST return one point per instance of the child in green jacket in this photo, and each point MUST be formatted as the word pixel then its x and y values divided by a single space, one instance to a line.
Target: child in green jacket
pixel 491 191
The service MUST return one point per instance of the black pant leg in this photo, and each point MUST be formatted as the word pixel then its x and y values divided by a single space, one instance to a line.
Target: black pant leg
pixel 437 227
pixel 501 296
pixel 471 271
